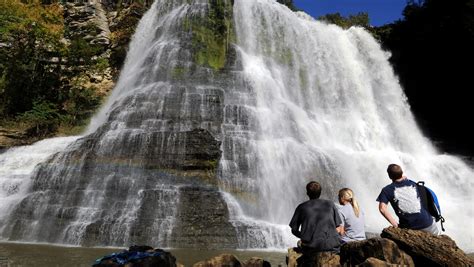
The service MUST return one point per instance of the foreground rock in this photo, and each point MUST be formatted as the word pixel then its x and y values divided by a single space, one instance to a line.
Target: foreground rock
pixel 397 247
pixel 229 260
pixel 256 262
pixel 427 249
pixel 378 250
pixel 294 258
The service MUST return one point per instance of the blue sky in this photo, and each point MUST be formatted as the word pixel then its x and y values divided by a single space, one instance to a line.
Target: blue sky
pixel 380 11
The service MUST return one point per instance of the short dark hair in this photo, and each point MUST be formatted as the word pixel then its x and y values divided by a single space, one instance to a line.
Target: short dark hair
pixel 394 171
pixel 313 190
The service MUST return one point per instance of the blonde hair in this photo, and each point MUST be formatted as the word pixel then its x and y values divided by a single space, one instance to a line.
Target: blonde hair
pixel 347 195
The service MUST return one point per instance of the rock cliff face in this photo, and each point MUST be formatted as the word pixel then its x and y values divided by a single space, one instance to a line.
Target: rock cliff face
pixel 108 27
pixel 9 138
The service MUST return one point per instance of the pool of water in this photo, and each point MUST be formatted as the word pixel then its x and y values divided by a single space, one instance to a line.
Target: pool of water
pixel 39 255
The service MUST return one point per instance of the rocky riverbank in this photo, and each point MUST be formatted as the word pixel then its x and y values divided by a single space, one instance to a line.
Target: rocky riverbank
pixel 394 247
pixel 397 247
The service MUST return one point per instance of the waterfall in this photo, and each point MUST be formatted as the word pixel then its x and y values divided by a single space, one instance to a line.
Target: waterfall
pixel 141 162
pixel 212 132
pixel 18 164
pixel 328 107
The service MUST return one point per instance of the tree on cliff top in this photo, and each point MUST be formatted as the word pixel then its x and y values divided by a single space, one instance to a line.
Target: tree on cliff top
pixel 360 19
pixel 289 4
pixel 432 49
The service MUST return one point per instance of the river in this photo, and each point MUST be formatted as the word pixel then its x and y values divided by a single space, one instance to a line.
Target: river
pixel 42 255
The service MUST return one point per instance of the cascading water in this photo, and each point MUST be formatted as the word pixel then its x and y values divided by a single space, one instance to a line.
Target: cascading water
pixel 18 164
pixel 208 138
pixel 328 107
pixel 147 156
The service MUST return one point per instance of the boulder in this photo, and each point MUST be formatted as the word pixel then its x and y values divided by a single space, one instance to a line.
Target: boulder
pixel 427 249
pixel 295 258
pixel 224 260
pixel 374 262
pixel 256 262
pixel 385 250
pixel 292 257
pixel 327 259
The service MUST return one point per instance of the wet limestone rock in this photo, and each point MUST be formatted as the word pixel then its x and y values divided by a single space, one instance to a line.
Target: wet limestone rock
pixel 202 220
pixel 427 249
pixel 385 250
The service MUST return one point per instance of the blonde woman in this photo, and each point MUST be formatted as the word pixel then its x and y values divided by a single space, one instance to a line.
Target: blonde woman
pixel 352 217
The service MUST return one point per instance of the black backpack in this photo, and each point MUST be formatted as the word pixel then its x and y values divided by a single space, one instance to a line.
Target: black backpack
pixel 430 202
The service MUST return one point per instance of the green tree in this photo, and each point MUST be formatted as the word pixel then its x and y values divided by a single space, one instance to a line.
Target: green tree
pixel 43 80
pixel 289 4
pixel 44 118
pixel 30 44
pixel 360 19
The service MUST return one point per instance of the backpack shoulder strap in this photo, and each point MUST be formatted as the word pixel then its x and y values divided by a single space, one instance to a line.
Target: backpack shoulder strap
pixel 428 201
pixel 420 185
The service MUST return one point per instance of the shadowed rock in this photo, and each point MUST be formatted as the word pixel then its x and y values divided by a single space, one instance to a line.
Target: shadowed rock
pixel 427 249
pixel 374 262
pixel 227 260
pixel 256 262
pixel 384 250
pixel 295 258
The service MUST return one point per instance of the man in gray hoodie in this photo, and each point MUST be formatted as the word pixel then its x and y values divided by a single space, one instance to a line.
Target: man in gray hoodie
pixel 316 223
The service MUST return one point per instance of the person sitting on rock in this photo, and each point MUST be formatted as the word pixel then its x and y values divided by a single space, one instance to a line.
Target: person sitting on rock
pixel 404 197
pixel 352 217
pixel 318 219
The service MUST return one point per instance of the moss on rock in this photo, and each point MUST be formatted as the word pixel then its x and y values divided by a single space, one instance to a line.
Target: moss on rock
pixel 212 34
